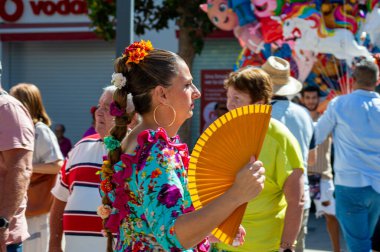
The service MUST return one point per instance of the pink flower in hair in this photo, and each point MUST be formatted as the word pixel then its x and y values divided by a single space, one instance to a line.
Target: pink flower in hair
pixel 115 110
pixel 104 211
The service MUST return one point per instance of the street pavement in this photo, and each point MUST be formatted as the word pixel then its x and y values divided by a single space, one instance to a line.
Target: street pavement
pixel 317 239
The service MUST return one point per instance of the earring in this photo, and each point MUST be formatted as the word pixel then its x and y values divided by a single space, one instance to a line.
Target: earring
pixel 155 119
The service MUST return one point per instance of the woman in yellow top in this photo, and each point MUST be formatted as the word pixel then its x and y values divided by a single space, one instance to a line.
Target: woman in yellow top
pixel 272 219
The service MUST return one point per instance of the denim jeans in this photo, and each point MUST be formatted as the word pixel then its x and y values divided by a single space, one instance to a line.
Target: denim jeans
pixel 357 209
pixel 14 247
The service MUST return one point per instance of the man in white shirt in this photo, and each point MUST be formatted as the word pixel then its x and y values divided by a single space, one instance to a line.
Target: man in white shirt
pixel 354 121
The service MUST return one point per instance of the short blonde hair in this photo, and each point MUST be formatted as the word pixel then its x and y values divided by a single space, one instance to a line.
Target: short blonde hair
pixel 252 80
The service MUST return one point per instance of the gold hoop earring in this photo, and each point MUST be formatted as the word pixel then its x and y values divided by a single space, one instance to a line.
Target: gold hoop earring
pixel 155 119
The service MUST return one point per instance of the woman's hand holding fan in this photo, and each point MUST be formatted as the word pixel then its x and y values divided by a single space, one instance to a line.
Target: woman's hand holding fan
pixel 249 181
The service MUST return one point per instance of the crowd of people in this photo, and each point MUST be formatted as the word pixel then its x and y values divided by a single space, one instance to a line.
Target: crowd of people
pixel 124 185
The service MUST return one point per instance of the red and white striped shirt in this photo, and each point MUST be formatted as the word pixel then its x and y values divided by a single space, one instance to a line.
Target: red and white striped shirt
pixel 78 186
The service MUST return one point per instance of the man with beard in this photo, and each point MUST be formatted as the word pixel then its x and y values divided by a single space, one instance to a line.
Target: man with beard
pixel 320 174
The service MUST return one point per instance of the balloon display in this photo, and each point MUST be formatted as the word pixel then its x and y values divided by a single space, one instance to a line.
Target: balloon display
pixel 321 39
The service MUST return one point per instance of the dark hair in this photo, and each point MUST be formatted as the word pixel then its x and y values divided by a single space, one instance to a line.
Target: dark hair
pixel 311 89
pixel 30 96
pixel 159 67
pixel 219 104
pixel 366 73
pixel 62 127
pixel 254 81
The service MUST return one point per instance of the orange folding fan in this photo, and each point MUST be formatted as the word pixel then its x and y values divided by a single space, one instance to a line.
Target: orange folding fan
pixel 220 152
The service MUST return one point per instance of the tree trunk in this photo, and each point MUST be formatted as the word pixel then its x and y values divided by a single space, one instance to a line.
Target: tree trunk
pixel 185 46
pixel 187 52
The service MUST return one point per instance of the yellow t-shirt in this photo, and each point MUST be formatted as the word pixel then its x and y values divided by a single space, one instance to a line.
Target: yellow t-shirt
pixel 264 217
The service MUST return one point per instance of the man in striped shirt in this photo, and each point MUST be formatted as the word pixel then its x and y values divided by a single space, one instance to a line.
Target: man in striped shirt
pixel 76 193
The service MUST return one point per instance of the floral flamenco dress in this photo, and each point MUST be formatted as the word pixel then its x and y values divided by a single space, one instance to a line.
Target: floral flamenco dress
pixel 150 193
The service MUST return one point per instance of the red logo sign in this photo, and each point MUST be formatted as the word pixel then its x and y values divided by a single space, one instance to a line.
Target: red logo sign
pixel 49 8
pixel 11 17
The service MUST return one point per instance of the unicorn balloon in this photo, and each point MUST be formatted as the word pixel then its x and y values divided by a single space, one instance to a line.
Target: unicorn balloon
pixel 304 24
pixel 372 26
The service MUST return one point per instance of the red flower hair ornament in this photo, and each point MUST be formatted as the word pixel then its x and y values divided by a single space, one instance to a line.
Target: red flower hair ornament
pixel 137 51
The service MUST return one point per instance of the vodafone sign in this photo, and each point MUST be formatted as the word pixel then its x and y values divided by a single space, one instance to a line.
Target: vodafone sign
pixel 43 11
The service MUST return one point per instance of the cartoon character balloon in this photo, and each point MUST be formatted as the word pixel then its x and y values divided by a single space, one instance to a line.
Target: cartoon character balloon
pixel 243 10
pixel 225 19
pixel 267 8
pixel 220 15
